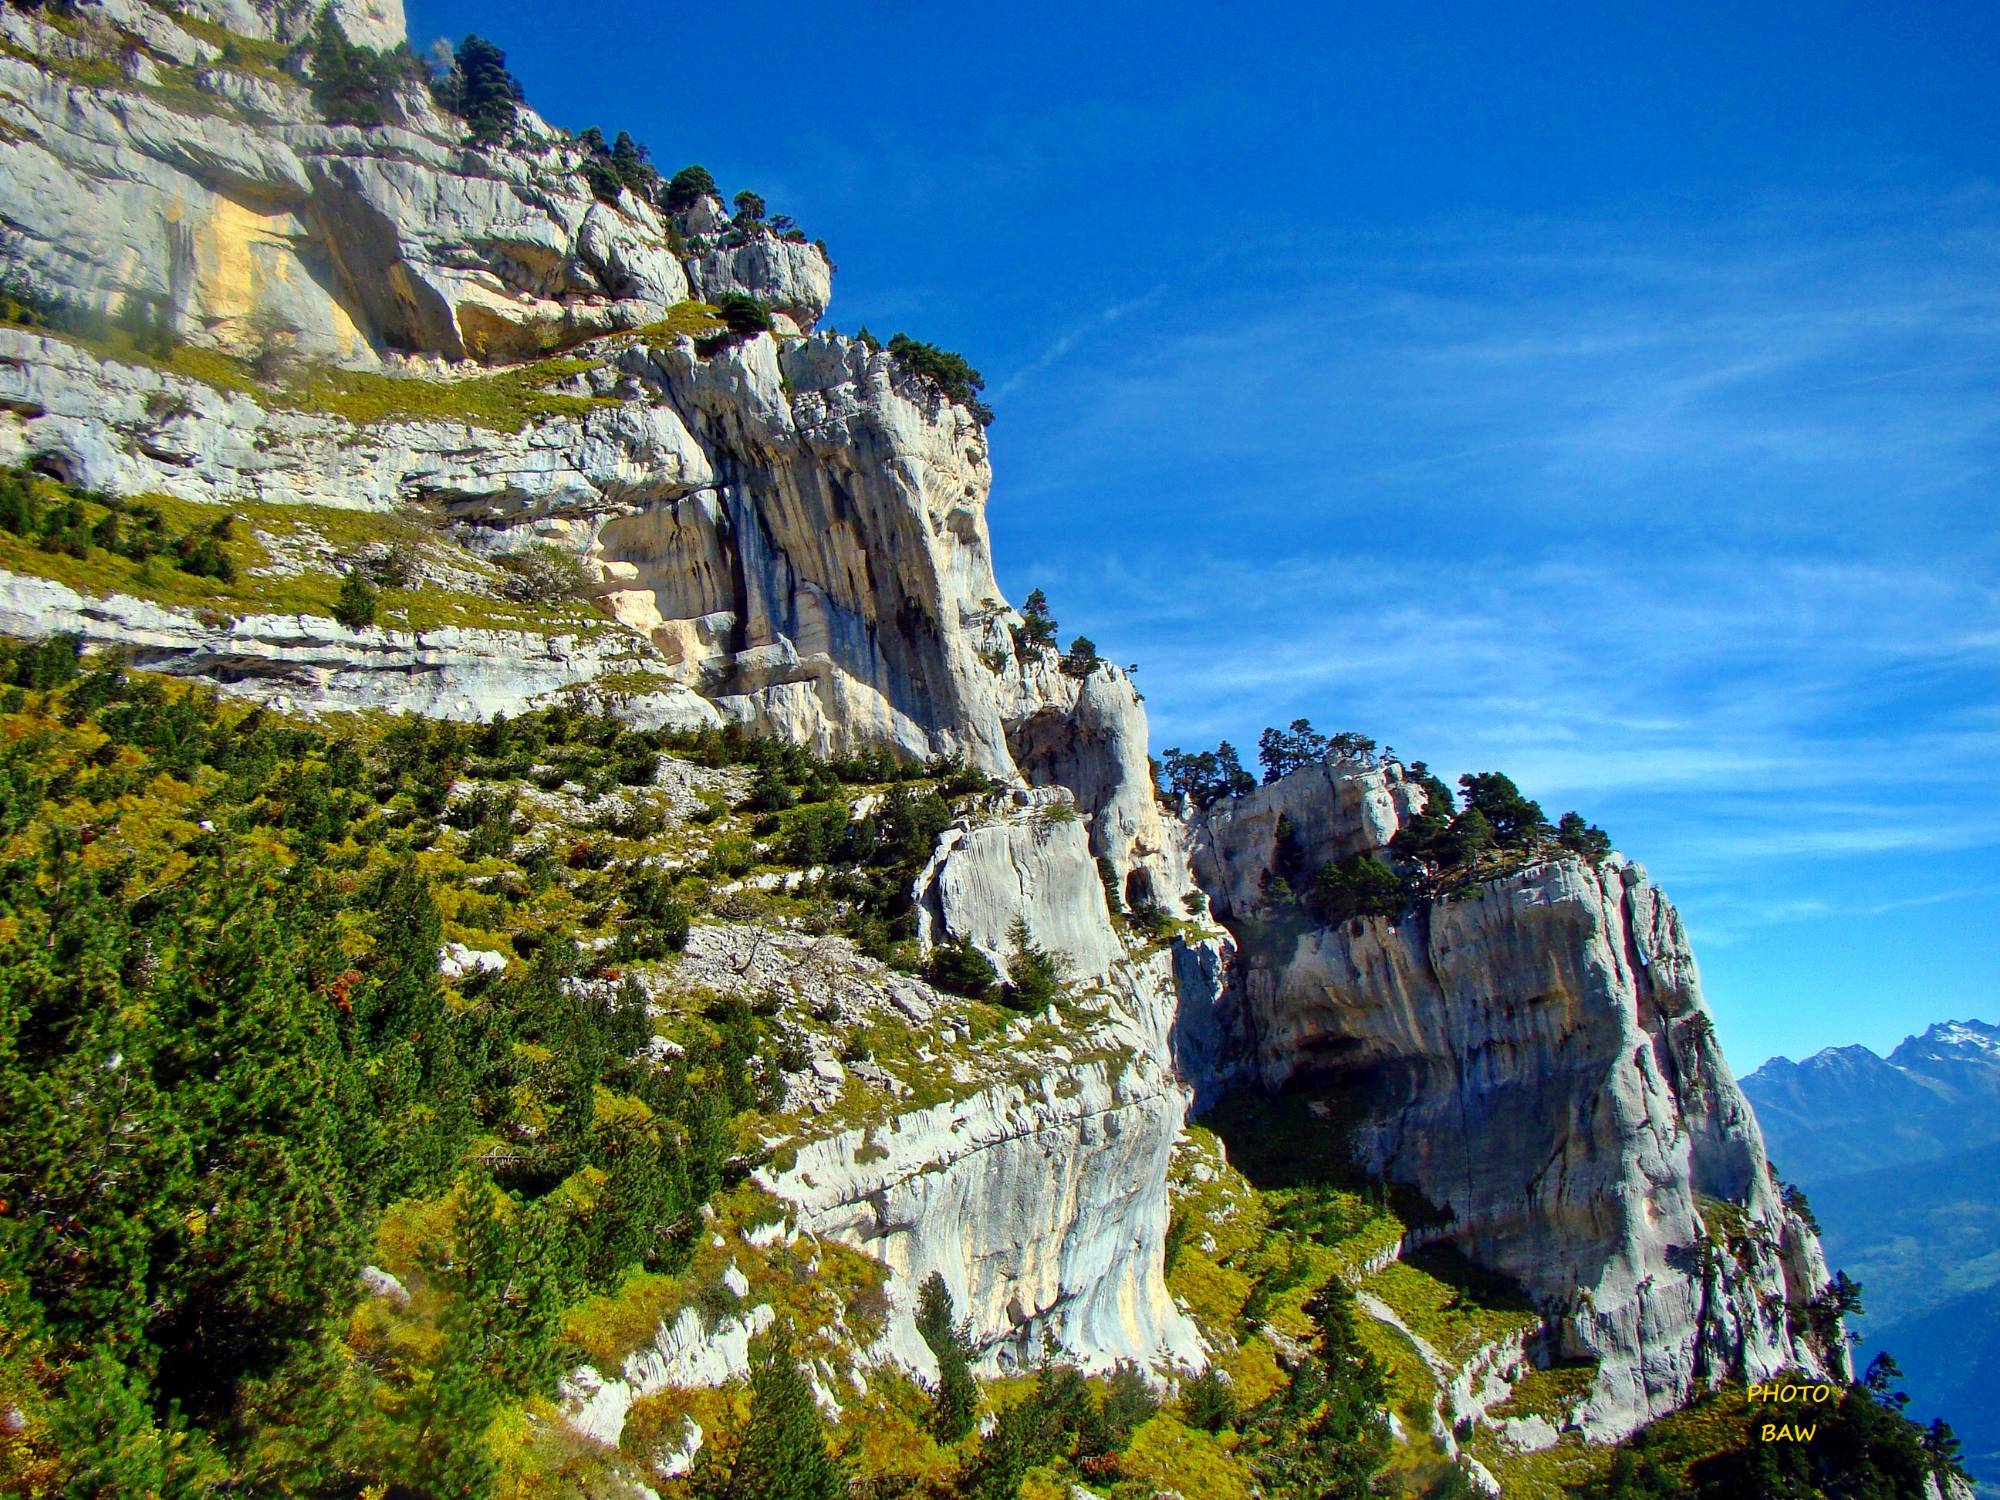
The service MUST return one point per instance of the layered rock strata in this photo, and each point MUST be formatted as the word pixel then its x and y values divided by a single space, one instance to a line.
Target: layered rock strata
pixel 1533 1054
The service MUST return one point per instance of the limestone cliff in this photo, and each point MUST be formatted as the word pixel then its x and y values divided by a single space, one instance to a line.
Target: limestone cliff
pixel 1532 1053
pixel 791 526
pixel 393 335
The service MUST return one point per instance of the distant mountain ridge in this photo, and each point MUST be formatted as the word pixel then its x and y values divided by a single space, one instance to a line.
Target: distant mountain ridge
pixel 1846 1109
pixel 1900 1157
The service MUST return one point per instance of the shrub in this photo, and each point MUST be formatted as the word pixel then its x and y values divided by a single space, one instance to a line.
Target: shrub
pixel 45 663
pixel 744 314
pixel 544 573
pixel 355 608
pixel 953 377
pixel 961 969
pixel 689 186
pixel 1359 886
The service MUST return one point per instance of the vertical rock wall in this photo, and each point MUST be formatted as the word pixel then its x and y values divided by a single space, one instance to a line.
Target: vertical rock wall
pixel 1533 1054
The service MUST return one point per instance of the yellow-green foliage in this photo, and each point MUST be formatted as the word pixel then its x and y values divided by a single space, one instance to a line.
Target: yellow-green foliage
pixel 538 1454
pixel 1168 1455
pixel 1212 1293
pixel 658 1423
pixel 259 589
pixel 683 320
pixel 606 1328
pixel 1444 1302
pixel 505 401
pixel 1555 1473
pixel 1254 1370
pixel 883 1436
pixel 1412 1386
pixel 1551 1394
pixel 249 54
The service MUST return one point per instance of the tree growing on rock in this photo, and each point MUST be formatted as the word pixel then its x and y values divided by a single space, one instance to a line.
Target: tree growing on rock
pixel 350 84
pixel 1517 821
pixel 950 373
pixel 1579 837
pixel 688 187
pixel 955 1398
pixel 1283 751
pixel 480 90
pixel 1034 975
pixel 749 208
pixel 1207 777
pixel 1037 630
pixel 355 608
pixel 784 1455
pixel 1081 659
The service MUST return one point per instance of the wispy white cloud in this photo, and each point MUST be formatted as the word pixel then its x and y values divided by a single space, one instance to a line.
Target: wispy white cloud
pixel 1065 343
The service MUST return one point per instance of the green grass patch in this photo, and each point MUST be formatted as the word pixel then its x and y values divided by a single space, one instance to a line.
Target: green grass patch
pixel 683 320
pixel 505 400
pixel 312 592
pixel 1550 1394
pixel 1450 1304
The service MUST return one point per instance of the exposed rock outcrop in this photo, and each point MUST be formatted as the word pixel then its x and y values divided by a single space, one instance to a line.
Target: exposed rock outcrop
pixel 247 218
pixel 788 529
pixel 1033 867
pixel 1533 1054
pixel 308 661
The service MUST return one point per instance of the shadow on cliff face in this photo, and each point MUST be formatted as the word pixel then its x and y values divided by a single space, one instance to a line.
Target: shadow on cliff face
pixel 1309 1134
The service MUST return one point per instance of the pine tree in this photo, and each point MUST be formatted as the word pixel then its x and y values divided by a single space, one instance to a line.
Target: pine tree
pixel 355 608
pixel 784 1454
pixel 955 1400
pixel 1034 975
pixel 688 187
pixel 631 162
pixel 486 95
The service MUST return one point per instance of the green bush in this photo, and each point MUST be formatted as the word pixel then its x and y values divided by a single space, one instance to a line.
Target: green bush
pixel 953 377
pixel 958 967
pixel 1034 975
pixel 1359 886
pixel 355 608
pixel 543 573
pixel 688 187
pixel 744 314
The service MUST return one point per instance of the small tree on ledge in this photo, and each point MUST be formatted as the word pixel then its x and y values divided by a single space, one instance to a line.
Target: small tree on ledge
pixel 355 608
pixel 1081 659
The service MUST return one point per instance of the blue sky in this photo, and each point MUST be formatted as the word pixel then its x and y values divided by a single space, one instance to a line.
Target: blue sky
pixel 1611 399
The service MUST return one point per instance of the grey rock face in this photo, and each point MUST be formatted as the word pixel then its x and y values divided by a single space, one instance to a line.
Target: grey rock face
pixel 1534 1055
pixel 235 208
pixel 310 662
pixel 1032 868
